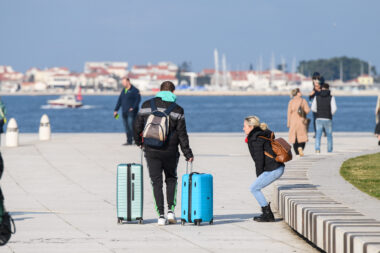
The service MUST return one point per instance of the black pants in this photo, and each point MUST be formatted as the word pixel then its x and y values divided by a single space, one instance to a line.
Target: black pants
pixel 166 162
pixel 1 165
pixel 296 145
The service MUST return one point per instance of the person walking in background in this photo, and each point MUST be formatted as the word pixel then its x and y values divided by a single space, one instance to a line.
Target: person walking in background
pixel 164 158
pixel 377 113
pixel 318 81
pixel 129 101
pixel 267 168
pixel 324 106
pixel 3 119
pixel 297 121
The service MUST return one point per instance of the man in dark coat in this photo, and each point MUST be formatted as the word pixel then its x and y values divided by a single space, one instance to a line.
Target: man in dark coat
pixel 129 101
pixel 164 158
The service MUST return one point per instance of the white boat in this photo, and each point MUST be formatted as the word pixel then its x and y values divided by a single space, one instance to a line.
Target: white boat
pixel 67 101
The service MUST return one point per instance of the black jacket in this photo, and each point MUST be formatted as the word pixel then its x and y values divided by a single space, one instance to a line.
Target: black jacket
pixel 177 129
pixel 324 105
pixel 257 146
pixel 128 100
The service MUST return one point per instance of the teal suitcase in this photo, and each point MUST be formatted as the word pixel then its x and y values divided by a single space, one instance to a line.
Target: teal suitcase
pixel 129 192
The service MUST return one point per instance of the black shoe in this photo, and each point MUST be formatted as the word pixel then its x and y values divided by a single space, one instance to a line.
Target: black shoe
pixel 266 216
pixel 378 143
pixel 127 144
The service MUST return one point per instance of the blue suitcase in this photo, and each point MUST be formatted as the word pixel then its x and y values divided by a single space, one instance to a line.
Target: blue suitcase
pixel 197 198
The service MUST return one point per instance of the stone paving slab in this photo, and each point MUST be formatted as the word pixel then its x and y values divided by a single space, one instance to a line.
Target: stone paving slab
pixel 62 195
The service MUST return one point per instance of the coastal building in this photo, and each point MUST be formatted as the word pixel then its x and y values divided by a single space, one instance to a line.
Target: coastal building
pixel 365 80
pixel 10 80
pixel 118 69
pixel 148 77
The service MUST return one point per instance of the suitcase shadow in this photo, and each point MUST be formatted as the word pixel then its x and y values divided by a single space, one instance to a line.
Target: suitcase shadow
pixel 232 218
pixel 236 218
pixel 16 214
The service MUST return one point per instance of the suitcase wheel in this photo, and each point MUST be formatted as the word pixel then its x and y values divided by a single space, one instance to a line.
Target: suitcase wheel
pixel 211 221
pixel 197 223
pixel 183 222
pixel 141 221
pixel 119 221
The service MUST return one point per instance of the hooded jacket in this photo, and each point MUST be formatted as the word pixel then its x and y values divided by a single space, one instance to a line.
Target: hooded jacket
pixel 257 146
pixel 177 128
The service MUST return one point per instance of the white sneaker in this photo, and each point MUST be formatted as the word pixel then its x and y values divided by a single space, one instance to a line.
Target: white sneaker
pixel 171 218
pixel 161 221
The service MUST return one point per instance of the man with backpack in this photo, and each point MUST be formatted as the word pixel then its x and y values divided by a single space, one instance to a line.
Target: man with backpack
pixel 160 127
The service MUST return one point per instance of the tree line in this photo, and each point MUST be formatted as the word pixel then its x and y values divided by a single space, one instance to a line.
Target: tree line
pixel 336 68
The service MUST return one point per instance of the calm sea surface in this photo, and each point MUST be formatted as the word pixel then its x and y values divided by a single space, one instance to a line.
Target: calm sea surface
pixel 203 114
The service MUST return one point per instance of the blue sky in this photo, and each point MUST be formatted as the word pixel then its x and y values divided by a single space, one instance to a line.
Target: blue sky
pixel 46 33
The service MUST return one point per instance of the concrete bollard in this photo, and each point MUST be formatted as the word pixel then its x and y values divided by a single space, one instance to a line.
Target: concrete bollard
pixel 44 131
pixel 11 137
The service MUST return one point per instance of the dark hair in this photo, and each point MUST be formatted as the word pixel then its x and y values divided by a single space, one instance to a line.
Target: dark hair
pixel 126 78
pixel 167 86
pixel 325 86
pixel 321 80
pixel 316 76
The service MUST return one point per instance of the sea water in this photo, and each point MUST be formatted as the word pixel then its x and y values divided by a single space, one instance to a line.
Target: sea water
pixel 202 113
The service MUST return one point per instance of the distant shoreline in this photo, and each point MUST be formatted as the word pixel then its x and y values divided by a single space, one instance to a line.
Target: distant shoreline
pixel 198 93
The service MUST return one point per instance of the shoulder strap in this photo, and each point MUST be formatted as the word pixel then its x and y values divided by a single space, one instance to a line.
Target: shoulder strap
pixel 170 108
pixel 269 139
pixel 153 105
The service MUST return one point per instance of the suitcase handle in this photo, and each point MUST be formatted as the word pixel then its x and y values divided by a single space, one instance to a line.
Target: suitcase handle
pixel 187 167
pixel 142 152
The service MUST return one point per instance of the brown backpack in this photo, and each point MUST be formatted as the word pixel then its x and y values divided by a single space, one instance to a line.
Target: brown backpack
pixel 281 148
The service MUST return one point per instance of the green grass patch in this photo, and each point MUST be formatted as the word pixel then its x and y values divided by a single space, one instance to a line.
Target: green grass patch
pixel 364 173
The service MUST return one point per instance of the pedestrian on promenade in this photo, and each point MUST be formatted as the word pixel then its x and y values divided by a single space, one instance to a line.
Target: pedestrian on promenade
pixel 267 169
pixel 297 121
pixel 3 119
pixel 164 159
pixel 324 106
pixel 129 101
pixel 318 81
pixel 377 113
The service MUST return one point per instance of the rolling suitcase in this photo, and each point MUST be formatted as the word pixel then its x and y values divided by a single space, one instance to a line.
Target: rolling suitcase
pixel 130 192
pixel 197 198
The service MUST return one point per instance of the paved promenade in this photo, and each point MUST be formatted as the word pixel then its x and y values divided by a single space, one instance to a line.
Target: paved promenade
pixel 62 196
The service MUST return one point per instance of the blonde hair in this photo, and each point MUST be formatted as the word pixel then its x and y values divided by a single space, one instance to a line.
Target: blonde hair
pixel 294 92
pixel 255 122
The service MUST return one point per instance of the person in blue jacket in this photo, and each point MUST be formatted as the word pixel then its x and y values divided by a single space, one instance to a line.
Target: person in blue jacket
pixel 129 101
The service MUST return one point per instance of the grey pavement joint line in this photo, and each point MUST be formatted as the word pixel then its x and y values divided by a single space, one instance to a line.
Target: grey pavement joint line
pixel 59 216
pixel 68 178
pixel 185 239
pixel 264 235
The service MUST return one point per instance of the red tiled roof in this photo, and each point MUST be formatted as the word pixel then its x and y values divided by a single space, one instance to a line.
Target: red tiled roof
pixel 165 77
pixel 27 83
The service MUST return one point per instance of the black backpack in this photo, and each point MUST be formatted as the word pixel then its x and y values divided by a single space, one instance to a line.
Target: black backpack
pixel 6 221
pixel 6 230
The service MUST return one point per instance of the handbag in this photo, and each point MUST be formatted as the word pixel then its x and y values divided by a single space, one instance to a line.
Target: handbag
pixel 300 111
pixel 303 114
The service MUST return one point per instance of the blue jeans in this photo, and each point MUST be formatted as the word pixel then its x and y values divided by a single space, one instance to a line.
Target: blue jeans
pixel 128 120
pixel 265 179
pixel 325 124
